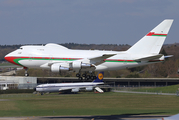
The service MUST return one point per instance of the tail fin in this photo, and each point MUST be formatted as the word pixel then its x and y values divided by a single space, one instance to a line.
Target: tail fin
pixel 99 77
pixel 153 41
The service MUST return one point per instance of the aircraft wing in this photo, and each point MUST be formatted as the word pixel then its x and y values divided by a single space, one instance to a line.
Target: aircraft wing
pixel 168 56
pixel 100 59
pixel 94 60
pixel 147 58
pixel 75 89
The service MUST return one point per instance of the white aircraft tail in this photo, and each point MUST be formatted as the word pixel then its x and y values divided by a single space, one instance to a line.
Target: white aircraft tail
pixel 153 41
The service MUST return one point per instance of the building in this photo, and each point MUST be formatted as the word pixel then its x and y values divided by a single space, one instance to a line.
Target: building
pixel 13 82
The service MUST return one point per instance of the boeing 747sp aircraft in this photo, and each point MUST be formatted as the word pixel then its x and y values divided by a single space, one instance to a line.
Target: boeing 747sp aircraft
pixel 59 58
pixel 73 87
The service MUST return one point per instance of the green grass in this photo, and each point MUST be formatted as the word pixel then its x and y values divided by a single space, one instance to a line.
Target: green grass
pixel 87 104
pixel 166 89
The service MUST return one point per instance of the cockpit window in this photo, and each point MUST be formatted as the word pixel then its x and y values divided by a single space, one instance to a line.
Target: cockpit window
pixel 21 48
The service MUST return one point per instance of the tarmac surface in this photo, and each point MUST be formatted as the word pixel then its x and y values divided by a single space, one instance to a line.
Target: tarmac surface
pixel 108 117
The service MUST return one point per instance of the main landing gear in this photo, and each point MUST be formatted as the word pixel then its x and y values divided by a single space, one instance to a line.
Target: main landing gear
pixel 86 76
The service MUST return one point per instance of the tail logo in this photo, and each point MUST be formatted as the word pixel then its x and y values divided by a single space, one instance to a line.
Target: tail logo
pixel 156 34
pixel 100 76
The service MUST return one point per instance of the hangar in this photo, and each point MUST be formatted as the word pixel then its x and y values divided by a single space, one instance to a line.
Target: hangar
pixel 12 82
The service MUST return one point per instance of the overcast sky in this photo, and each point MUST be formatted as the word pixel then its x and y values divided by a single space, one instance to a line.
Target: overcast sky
pixel 84 21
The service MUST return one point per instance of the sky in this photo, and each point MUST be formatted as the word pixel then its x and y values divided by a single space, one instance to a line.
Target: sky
pixel 84 21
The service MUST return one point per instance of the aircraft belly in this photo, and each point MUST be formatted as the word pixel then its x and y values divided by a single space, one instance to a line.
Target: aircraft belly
pixel 115 66
pixel 51 89
pixel 32 63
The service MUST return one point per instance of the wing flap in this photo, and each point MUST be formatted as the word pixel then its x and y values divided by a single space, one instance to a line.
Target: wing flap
pixel 100 59
pixel 94 60
pixel 75 89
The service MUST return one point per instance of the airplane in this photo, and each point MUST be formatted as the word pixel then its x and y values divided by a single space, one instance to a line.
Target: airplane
pixel 71 87
pixel 58 58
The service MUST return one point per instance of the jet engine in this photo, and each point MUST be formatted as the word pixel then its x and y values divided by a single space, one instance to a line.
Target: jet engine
pixel 80 65
pixel 75 66
pixel 57 67
pixel 89 88
pixel 75 90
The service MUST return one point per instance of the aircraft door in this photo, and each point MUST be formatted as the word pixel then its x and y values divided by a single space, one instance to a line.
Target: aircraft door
pixel 125 60
pixel 50 58
pixel 30 57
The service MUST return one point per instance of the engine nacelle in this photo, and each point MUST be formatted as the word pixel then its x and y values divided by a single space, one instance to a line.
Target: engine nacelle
pixel 77 65
pixel 57 67
pixel 75 90
pixel 89 88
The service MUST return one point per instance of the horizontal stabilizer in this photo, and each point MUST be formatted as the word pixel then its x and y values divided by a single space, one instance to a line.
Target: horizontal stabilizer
pixel 149 58
pixel 168 56
pixel 99 89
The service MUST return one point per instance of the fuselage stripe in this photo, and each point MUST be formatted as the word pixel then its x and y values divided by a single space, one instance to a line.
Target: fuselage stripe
pixel 156 34
pixel 15 60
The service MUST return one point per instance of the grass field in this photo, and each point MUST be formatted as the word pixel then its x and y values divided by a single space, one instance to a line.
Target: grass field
pixel 165 89
pixel 87 104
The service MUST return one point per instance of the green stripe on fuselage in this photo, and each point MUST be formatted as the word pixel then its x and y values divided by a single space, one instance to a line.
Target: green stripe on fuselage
pixel 18 59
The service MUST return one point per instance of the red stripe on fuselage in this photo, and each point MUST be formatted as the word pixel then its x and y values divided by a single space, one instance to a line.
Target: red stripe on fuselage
pixel 11 60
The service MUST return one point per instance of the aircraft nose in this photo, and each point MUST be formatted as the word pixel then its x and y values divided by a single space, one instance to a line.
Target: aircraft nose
pixel 9 58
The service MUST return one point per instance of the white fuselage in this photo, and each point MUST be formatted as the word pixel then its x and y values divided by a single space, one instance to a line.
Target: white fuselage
pixel 44 56
pixel 66 86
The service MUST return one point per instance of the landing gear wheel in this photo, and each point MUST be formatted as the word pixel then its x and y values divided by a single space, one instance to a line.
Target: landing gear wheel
pixel 80 78
pixel 78 75
pixel 93 77
pixel 84 75
pixel 26 74
pixel 88 77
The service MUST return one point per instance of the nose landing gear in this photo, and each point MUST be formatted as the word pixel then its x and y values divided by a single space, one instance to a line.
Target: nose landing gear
pixel 26 73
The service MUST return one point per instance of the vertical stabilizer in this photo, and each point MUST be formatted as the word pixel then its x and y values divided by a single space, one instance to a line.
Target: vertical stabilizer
pixel 153 41
pixel 99 77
